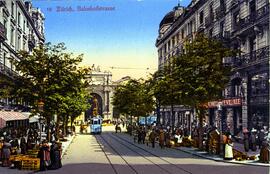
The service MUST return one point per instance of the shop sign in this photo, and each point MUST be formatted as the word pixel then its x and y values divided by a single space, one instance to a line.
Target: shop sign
pixel 225 103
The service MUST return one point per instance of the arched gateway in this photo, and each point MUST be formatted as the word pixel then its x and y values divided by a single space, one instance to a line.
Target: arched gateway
pixel 101 90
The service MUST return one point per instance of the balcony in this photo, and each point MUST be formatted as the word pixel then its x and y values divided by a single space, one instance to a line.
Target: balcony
pixel 262 12
pixel 220 11
pixel 201 28
pixel 2 3
pixel 256 56
pixel 3 32
pixel 7 71
pixel 252 19
pixel 223 36
pixel 31 41
pixel 209 20
pixel 259 99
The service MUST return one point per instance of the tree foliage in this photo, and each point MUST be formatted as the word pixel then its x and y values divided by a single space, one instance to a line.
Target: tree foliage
pixel 51 74
pixel 133 99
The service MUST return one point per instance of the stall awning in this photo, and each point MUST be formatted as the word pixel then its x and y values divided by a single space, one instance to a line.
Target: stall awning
pixel 12 115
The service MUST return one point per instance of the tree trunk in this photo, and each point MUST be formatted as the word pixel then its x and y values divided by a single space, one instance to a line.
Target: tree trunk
pixel 200 112
pixel 173 116
pixel 158 112
pixel 48 128
pixel 64 126
pixel 57 128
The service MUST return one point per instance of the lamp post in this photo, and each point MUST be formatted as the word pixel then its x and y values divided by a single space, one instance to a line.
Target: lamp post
pixel 219 108
pixel 40 109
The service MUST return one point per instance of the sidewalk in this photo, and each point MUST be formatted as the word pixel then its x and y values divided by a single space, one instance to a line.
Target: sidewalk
pixel 203 154
pixel 66 144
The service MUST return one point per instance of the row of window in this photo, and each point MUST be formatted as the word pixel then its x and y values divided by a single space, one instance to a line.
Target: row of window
pixel 187 31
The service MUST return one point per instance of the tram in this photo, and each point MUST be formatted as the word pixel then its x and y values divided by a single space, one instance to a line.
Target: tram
pixel 96 125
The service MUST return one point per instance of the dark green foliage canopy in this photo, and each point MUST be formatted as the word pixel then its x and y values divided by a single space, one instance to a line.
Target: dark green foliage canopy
pixel 133 99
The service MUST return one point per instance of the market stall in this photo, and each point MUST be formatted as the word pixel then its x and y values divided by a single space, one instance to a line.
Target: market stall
pixel 13 119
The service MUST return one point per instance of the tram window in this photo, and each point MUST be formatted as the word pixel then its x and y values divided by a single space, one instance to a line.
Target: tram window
pixel 95 122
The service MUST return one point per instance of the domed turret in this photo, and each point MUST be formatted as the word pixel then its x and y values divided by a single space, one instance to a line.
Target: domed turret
pixel 170 17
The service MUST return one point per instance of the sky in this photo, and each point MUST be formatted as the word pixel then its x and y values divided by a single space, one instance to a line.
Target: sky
pixel 110 33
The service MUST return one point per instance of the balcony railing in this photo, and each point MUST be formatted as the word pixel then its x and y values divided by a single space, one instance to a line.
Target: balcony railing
pixel 3 33
pixel 31 41
pixel 2 3
pixel 220 11
pixel 263 11
pixel 253 57
pixel 223 36
pixel 252 18
pixel 7 71
pixel 259 99
pixel 209 20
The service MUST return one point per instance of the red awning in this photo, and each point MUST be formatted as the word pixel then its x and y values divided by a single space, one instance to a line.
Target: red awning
pixel 12 115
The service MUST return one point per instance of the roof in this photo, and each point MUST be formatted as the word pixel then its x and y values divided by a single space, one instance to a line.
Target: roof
pixel 170 17
pixel 12 115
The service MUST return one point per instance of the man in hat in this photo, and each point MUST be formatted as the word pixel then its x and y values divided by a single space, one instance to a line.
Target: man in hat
pixel 253 139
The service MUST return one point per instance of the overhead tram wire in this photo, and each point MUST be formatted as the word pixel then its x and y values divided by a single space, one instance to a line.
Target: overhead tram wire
pixel 114 67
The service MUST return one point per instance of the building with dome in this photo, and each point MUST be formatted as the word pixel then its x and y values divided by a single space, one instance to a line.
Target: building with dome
pixel 242 25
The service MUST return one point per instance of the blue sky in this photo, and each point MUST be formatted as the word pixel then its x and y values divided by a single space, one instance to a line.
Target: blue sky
pixel 123 37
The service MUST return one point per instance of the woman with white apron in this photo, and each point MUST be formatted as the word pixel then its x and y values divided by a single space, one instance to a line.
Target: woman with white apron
pixel 228 148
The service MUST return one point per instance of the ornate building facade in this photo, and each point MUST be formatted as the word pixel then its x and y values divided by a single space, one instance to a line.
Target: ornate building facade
pixel 101 90
pixel 240 24
pixel 21 28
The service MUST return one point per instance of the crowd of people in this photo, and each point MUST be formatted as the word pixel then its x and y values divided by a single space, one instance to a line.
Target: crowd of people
pixel 251 140
pixel 149 135
pixel 21 140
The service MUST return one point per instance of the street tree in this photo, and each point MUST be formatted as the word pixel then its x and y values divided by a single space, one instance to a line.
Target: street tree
pixel 133 99
pixel 201 74
pixel 50 74
pixel 163 89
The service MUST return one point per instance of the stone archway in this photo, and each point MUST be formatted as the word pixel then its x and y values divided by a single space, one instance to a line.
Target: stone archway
pixel 96 108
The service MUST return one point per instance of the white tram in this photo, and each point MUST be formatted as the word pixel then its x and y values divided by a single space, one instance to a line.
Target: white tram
pixel 96 125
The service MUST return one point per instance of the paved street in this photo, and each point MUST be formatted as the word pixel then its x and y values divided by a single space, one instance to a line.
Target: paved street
pixel 111 153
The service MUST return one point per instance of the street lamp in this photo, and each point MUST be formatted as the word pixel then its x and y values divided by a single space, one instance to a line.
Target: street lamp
pixel 40 109
pixel 219 108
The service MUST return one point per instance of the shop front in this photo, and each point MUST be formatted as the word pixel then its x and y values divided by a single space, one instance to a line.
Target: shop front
pixel 226 115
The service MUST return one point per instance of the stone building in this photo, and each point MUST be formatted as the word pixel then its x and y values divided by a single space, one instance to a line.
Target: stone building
pixel 240 24
pixel 101 90
pixel 21 28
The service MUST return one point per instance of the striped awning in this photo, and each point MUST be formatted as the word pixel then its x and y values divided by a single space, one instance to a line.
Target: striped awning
pixel 12 115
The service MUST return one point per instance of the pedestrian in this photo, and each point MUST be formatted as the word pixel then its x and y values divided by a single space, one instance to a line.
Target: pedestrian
pixel 152 138
pixel 246 139
pixel 178 138
pixel 44 156
pixel 228 155
pixel 265 153
pixel 143 135
pixel 147 137
pixel 161 138
pixel 139 133
pixel 55 156
pixel 252 140
pixel 1 147
pixel 261 138
pixel 23 145
pixel 6 152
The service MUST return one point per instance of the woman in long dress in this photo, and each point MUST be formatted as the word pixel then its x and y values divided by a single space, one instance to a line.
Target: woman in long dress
pixel 228 148
pixel 6 151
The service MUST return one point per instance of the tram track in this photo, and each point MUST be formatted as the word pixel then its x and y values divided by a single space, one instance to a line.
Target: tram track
pixel 143 156
pixel 151 153
pixel 112 165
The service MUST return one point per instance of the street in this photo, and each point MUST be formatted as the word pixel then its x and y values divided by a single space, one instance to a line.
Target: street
pixel 111 153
